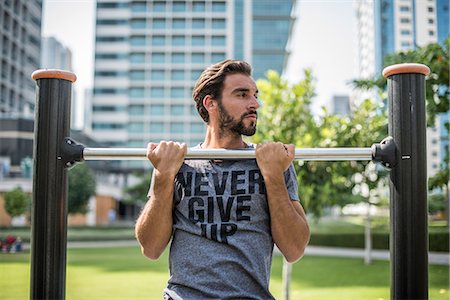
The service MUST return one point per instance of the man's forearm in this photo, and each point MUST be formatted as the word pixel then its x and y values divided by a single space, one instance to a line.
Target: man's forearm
pixel 154 225
pixel 289 226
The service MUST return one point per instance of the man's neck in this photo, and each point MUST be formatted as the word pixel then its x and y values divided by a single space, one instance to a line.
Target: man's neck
pixel 225 140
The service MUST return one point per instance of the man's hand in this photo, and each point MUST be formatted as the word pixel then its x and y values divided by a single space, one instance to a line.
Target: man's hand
pixel 166 157
pixel 274 158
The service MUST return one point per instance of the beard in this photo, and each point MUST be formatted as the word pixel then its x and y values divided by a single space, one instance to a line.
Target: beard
pixel 230 125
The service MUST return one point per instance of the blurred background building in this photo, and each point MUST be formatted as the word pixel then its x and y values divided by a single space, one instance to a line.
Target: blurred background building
pixel 148 55
pixel 389 26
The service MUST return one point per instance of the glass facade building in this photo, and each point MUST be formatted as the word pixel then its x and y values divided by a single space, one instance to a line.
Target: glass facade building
pixel 148 55
pixel 20 51
pixel 389 26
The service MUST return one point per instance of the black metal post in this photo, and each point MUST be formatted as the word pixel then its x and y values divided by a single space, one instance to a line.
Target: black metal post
pixel 49 212
pixel 408 201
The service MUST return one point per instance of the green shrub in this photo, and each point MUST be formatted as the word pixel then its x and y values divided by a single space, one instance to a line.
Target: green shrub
pixel 438 241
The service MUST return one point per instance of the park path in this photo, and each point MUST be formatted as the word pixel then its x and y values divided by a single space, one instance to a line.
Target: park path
pixel 434 258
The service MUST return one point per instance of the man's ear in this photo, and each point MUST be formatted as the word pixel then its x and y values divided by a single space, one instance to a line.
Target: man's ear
pixel 209 103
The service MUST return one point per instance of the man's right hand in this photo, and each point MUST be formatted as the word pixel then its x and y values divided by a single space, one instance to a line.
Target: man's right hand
pixel 166 157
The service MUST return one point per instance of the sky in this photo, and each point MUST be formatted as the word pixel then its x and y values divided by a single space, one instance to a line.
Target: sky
pixel 324 39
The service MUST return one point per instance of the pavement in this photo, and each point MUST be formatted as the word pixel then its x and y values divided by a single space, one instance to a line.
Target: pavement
pixel 434 258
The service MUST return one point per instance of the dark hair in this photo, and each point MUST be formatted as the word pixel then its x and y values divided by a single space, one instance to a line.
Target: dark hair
pixel 211 81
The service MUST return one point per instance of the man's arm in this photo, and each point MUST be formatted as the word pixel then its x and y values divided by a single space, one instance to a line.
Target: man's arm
pixel 154 225
pixel 290 230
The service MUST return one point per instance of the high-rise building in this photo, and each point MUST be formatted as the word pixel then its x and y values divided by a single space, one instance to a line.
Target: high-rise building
pixel 148 55
pixel 389 26
pixel 20 44
pixel 55 55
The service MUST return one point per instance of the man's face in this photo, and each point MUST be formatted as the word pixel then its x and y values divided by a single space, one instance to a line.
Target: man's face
pixel 237 108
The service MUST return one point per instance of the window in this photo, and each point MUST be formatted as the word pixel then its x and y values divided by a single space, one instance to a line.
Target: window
pixel 138 7
pixel 197 127
pixel 159 23
pixel 405 32
pixel 138 24
pixel 157 110
pixel 218 41
pixel 136 127
pixel 159 6
pixel 177 110
pixel 178 40
pixel 137 57
pixel 218 23
pixel 177 92
pixel 158 40
pixel 177 127
pixel 157 75
pixel 136 110
pixel 198 40
pixel 157 127
pixel 404 20
pixel 179 23
pixel 177 57
pixel 158 57
pixel 430 21
pixel 136 92
pixel 179 6
pixel 198 58
pixel 198 6
pixel 405 44
pixel 218 7
pixel 198 23
pixel 431 32
pixel 137 75
pixel 157 92
pixel 195 74
pixel 137 41
pixel 430 9
pixel 107 108
pixel 111 22
pixel 216 57
pixel 177 75
pixel 404 8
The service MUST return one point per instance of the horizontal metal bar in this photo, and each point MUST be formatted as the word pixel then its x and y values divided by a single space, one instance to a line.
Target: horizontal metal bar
pixel 310 154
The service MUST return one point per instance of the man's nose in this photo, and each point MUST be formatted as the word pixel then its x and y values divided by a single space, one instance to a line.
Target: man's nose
pixel 254 103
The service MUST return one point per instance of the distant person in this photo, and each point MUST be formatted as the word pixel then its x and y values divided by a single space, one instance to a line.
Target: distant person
pixel 223 216
pixel 112 216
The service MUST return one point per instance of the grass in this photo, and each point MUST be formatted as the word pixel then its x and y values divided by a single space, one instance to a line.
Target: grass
pixel 123 273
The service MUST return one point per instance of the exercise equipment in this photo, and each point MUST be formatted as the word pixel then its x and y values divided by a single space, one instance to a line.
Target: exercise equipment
pixel 404 152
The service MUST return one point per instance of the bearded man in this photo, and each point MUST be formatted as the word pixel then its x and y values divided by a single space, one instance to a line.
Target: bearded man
pixel 223 217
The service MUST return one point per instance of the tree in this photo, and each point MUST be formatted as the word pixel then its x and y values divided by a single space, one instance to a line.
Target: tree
pixel 81 188
pixel 436 57
pixel 286 117
pixel 137 194
pixel 17 202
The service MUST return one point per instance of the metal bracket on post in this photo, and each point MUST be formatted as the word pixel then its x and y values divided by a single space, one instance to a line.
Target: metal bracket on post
pixel 384 152
pixel 71 152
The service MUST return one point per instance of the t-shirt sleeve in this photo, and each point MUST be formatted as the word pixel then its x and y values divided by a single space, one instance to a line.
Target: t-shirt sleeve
pixel 290 177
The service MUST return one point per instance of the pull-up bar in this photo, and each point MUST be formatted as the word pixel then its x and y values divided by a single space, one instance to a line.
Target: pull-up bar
pixel 318 154
pixel 404 151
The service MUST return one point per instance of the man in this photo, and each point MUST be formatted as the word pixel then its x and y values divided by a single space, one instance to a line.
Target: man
pixel 223 216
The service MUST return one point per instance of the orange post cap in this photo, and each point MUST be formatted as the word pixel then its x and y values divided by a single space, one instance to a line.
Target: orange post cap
pixel 406 68
pixel 53 73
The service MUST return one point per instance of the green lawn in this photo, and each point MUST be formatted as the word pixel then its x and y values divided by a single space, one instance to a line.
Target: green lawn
pixel 123 273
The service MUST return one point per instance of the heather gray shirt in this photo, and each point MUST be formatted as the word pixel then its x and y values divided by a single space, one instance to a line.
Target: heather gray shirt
pixel 222 244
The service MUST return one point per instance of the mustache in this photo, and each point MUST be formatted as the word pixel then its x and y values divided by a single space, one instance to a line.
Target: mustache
pixel 252 112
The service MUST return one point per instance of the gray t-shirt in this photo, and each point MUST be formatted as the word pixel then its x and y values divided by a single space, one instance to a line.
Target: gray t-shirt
pixel 222 244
